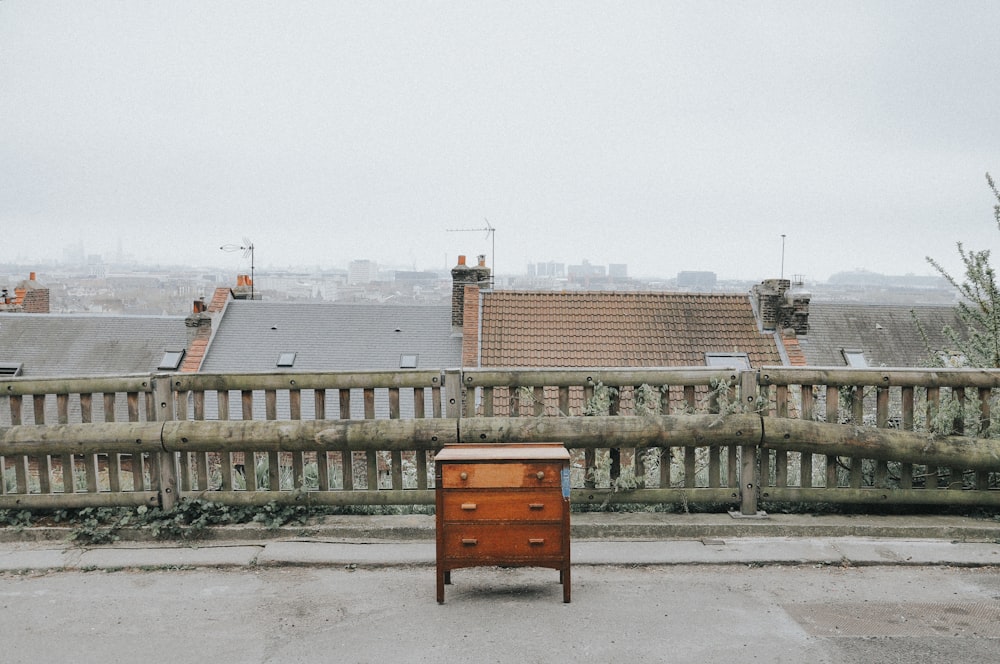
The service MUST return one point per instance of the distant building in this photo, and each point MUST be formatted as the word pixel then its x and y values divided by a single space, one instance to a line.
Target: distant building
pixel 586 271
pixel 549 269
pixel 96 269
pixel 362 272
pixel 695 280
pixel 618 271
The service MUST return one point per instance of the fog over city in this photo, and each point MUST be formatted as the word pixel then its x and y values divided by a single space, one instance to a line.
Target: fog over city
pixel 666 136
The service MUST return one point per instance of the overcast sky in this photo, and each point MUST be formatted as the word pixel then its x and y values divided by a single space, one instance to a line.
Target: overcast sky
pixel 665 135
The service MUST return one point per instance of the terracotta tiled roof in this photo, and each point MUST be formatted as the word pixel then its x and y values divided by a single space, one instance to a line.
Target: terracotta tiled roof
pixel 796 357
pixel 618 329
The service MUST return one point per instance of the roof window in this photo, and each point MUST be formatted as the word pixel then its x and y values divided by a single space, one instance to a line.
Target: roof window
pixel 171 360
pixel 286 359
pixel 854 358
pixel 10 369
pixel 736 360
pixel 408 361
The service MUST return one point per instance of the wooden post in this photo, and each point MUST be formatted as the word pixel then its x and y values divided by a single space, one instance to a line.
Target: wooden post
pixel 166 462
pixel 748 476
pixel 453 393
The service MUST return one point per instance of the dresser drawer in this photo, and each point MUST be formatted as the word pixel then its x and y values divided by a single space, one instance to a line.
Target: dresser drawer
pixel 487 543
pixel 493 475
pixel 521 505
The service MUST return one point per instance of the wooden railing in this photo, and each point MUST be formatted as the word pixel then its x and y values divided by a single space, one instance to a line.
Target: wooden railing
pixel 905 436
pixel 745 440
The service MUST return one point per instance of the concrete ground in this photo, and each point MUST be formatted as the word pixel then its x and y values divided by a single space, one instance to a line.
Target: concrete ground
pixel 646 588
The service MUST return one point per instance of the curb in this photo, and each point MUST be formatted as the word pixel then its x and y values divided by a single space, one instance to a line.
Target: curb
pixel 747 552
pixel 632 539
pixel 584 526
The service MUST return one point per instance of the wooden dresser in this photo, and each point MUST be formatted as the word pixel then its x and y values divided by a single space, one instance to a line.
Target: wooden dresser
pixel 502 504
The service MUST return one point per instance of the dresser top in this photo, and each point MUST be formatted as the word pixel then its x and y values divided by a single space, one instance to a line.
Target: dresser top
pixel 503 452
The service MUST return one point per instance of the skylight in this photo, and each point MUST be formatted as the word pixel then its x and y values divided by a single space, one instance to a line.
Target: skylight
pixel 286 359
pixel 171 360
pixel 10 369
pixel 408 361
pixel 735 360
pixel 854 358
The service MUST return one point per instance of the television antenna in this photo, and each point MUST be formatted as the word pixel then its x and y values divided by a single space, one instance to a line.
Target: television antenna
pixel 490 231
pixel 247 249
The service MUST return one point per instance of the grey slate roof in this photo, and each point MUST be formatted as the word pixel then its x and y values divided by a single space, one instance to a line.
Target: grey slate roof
pixel 88 344
pixel 331 337
pixel 886 333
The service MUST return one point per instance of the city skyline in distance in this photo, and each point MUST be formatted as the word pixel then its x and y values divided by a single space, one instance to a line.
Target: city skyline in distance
pixel 665 136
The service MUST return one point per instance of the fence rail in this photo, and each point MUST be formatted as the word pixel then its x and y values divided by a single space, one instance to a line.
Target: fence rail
pixel 747 439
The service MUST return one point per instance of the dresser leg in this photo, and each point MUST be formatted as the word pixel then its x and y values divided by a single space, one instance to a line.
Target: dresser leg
pixel 564 579
pixel 440 585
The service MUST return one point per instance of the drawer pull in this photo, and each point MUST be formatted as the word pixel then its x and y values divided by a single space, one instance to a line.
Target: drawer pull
pixel 540 474
pixel 469 506
pixel 536 541
pixel 536 506
pixel 464 475
pixel 470 542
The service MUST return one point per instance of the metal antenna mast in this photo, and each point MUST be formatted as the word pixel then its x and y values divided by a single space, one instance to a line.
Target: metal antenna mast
pixel 782 255
pixel 490 233
pixel 247 249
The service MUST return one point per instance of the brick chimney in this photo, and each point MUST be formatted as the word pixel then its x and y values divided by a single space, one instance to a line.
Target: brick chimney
pixel 768 295
pixel 199 328
pixel 470 328
pixel 197 320
pixel 29 298
pixel 463 275
pixel 795 312
pixel 780 307
pixel 244 288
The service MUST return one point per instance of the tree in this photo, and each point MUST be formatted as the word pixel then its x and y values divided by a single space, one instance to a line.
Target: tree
pixel 979 308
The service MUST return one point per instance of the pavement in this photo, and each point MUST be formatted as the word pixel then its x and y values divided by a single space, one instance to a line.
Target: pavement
pixel 646 588
pixel 620 539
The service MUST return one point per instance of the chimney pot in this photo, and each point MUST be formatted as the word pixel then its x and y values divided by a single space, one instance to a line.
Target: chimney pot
pixel 482 260
pixel 461 260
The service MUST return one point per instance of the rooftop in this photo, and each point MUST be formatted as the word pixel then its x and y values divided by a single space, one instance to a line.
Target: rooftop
pixel 618 329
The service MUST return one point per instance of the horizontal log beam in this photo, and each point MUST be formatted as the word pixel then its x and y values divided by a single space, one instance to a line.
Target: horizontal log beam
pixel 615 431
pixel 103 437
pixel 880 444
pixel 426 434
pixel 430 434
pixel 361 435
pixel 227 436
